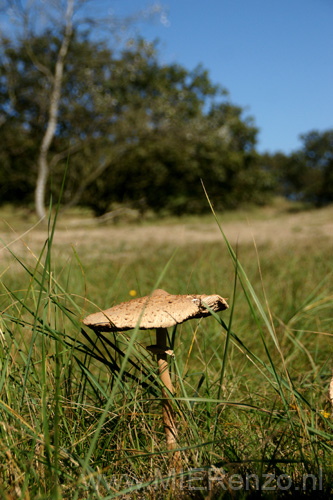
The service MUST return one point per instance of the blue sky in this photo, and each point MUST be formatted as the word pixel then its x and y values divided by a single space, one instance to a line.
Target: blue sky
pixel 275 57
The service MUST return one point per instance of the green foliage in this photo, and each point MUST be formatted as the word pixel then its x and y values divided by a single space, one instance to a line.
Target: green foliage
pixel 140 133
pixel 136 131
pixel 17 169
pixel 307 174
pixel 317 160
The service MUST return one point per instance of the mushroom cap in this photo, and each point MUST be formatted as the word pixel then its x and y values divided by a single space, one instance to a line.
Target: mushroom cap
pixel 158 310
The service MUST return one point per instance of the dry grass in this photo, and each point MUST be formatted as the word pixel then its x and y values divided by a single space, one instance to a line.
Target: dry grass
pixel 242 422
pixel 89 236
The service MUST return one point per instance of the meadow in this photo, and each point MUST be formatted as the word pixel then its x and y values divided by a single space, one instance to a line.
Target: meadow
pixel 80 413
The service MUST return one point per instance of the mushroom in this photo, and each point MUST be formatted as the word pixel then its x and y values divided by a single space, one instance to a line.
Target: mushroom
pixel 158 311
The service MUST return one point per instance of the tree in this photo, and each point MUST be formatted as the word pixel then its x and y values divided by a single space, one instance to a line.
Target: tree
pixel 307 174
pixel 54 78
pixel 317 154
pixel 275 165
pixel 164 169
pixel 53 110
pixel 20 150
pixel 52 75
pixel 137 131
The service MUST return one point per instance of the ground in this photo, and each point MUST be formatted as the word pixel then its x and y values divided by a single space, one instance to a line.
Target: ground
pixel 265 226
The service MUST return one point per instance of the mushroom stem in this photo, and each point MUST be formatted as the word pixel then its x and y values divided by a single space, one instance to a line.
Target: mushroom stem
pixel 170 428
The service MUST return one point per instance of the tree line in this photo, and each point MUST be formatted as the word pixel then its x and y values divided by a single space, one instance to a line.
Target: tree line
pixel 137 132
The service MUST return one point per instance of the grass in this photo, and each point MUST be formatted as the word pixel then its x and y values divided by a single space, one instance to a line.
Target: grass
pixel 80 413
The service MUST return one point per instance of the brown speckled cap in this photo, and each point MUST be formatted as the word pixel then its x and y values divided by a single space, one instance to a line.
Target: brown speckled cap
pixel 158 310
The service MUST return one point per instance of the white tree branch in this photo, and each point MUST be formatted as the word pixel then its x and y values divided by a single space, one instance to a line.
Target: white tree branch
pixel 43 167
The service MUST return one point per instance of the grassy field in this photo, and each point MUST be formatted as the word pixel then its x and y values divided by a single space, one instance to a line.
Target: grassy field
pixel 81 413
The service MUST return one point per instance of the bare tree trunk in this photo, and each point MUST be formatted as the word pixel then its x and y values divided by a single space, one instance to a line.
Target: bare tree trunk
pixel 42 162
